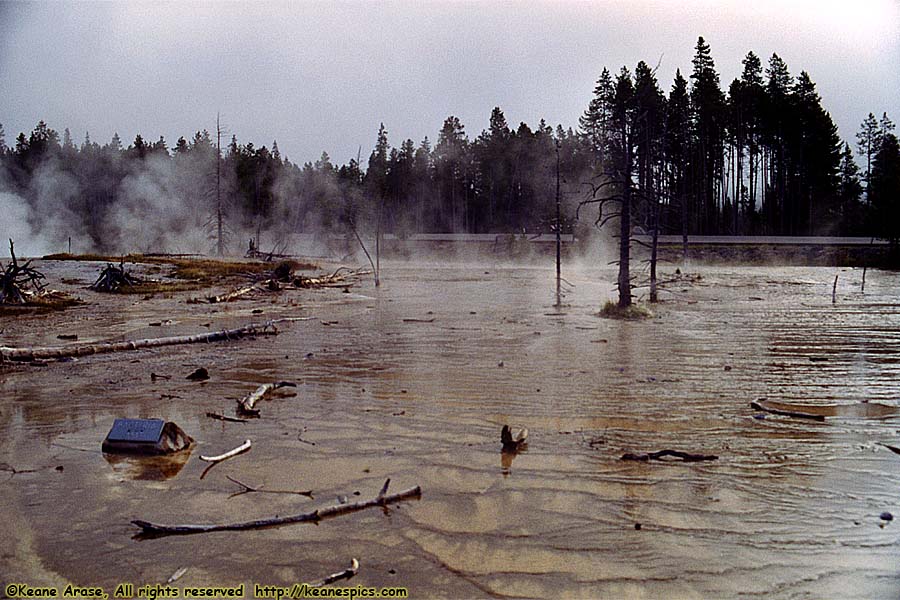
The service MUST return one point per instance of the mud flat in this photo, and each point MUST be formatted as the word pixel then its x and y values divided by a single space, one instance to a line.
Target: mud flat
pixel 414 380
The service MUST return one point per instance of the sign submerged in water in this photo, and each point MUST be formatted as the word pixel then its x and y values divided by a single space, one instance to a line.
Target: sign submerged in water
pixel 145 436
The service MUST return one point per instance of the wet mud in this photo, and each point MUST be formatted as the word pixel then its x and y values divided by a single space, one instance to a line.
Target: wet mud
pixel 413 381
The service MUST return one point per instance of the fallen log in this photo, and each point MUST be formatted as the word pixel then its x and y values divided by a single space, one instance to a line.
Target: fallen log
pixel 684 456
pixel 43 353
pixel 247 403
pixel 156 529
pixel 229 296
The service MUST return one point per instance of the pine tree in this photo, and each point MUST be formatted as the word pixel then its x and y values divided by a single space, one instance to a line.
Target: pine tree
pixel 753 103
pixel 776 124
pixel 868 140
pixel 707 103
pixel 115 144
pixel 850 192
pixel 678 150
pixel 594 123
pixel 884 190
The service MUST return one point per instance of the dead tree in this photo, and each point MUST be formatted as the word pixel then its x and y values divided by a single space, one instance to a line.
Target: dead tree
pixel 16 280
pixel 114 279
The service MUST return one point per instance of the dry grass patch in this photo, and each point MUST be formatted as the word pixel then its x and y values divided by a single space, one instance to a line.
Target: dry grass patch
pixel 633 312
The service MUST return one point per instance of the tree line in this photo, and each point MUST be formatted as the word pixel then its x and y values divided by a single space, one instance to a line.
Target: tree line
pixel 760 157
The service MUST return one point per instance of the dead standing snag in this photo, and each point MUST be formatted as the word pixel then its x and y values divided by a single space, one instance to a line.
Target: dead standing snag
pixel 383 499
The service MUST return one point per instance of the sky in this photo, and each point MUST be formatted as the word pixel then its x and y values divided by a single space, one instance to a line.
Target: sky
pixel 322 76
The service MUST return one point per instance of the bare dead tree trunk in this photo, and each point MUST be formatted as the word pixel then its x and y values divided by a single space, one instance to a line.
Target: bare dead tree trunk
pixel 220 243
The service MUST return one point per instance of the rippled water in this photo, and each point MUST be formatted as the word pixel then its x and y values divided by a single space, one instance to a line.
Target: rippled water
pixel 791 507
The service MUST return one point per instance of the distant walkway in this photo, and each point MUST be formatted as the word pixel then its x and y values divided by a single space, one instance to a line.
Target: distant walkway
pixel 765 240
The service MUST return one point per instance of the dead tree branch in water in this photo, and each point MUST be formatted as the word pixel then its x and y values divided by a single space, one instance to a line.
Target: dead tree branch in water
pixel 383 499
pixel 684 456
pixel 231 453
pixel 247 403
pixel 259 489
pixel 44 353
pixel 347 573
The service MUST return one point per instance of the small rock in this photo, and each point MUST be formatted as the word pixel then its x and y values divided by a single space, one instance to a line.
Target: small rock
pixel 637 526
pixel 392 571
pixel 886 516
pixel 727 367
pixel 500 364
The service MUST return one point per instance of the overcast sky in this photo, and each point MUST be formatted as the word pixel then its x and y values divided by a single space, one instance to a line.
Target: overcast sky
pixel 322 75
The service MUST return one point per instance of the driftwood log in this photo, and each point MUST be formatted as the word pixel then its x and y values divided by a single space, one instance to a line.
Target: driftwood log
pixel 44 353
pixel 233 295
pixel 383 499
pixel 247 403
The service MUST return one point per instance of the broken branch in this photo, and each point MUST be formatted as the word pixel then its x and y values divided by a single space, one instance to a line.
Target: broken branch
pixel 245 406
pixel 345 574
pixel 260 490
pixel 220 457
pixel 314 516
pixel 213 415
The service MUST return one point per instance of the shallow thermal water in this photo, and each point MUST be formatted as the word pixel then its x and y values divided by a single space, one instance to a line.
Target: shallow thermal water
pixel 791 507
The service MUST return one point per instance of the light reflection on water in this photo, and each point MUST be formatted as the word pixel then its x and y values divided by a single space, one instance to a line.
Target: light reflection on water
pixel 790 508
